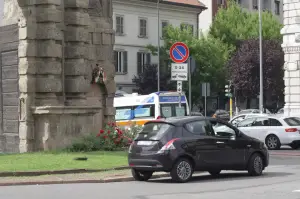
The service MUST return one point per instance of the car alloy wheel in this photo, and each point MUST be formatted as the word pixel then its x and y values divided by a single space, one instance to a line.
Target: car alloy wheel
pixel 273 142
pixel 255 165
pixel 182 171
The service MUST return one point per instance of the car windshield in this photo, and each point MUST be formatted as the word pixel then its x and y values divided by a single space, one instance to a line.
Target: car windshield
pixel 292 121
pixel 154 131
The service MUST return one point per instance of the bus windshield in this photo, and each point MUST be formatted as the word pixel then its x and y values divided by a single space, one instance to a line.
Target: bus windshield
pixel 173 110
pixel 135 112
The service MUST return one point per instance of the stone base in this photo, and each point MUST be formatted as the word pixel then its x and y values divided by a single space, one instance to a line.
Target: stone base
pixel 58 126
pixel 292 109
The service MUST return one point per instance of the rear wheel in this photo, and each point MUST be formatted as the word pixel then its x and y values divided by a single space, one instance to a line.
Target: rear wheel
pixel 295 146
pixel 141 175
pixel 255 165
pixel 273 142
pixel 214 172
pixel 182 170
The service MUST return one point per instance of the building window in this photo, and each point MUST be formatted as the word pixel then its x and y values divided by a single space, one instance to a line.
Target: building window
pixel 189 27
pixel 255 4
pixel 220 2
pixel 143 59
pixel 277 7
pixel 143 27
pixel 119 25
pixel 120 61
pixel 164 25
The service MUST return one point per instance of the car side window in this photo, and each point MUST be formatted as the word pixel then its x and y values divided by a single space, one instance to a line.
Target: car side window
pixel 274 122
pixel 222 130
pixel 198 128
pixel 246 122
pixel 239 118
pixel 261 122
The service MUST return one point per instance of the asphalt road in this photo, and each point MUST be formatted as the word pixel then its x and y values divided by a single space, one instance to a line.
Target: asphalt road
pixel 280 180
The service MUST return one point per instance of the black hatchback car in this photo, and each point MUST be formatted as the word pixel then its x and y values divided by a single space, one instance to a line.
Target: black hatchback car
pixel 183 145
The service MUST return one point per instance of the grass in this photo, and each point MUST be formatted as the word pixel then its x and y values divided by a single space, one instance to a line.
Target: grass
pixel 61 160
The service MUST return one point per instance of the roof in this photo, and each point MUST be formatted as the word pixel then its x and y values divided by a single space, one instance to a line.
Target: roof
pixel 183 3
pixel 179 121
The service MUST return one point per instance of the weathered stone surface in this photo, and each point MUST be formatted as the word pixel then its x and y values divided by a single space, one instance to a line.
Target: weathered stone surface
pixel 76 67
pixel 40 66
pixel 76 3
pixel 77 84
pixel 76 18
pixel 76 34
pixel 26 84
pixel 42 31
pixel 35 48
pixel 75 50
pixel 48 84
pixel 24 3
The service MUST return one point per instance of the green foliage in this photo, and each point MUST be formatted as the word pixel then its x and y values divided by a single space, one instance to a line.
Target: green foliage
pixel 211 55
pixel 110 138
pixel 234 23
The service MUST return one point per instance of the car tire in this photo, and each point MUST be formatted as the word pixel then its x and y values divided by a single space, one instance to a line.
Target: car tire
pixel 141 175
pixel 214 172
pixel 273 142
pixel 255 165
pixel 182 170
pixel 295 146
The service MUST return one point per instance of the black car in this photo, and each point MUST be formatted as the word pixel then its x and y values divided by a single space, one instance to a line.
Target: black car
pixel 183 145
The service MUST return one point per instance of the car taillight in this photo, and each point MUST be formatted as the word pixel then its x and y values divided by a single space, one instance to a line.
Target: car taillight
pixel 168 146
pixel 291 130
pixel 158 117
pixel 130 147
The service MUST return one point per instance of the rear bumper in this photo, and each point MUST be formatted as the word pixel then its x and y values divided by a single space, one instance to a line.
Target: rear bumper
pixel 153 162
pixel 290 138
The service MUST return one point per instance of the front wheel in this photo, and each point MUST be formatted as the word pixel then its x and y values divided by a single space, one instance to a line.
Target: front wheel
pixel 141 175
pixel 182 170
pixel 273 142
pixel 255 165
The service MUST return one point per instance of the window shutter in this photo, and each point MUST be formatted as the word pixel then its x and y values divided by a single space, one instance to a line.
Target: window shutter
pixel 125 62
pixel 148 59
pixel 116 60
pixel 139 63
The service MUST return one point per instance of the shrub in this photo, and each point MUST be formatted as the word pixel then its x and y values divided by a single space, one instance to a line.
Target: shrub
pixel 110 138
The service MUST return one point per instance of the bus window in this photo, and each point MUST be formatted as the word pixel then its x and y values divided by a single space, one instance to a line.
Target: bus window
pixel 144 111
pixel 123 113
pixel 173 110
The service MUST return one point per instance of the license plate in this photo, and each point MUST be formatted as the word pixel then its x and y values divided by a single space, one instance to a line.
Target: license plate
pixel 144 143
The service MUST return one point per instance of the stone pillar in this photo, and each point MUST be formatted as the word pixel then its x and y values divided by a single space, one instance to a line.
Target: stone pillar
pixel 76 21
pixel 101 50
pixel 40 51
pixel 291 48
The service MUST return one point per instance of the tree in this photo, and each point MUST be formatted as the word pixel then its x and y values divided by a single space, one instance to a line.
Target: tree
pixel 147 80
pixel 244 69
pixel 233 24
pixel 211 56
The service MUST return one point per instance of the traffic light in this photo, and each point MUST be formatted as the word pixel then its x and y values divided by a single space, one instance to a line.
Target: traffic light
pixel 228 90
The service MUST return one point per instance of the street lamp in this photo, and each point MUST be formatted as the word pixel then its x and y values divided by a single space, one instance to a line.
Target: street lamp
pixel 158 47
pixel 261 86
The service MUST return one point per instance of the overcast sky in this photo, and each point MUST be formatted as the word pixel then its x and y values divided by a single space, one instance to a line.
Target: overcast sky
pixel 1 10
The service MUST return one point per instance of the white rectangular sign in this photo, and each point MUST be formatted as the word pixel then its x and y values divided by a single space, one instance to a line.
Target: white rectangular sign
pixel 179 86
pixel 179 72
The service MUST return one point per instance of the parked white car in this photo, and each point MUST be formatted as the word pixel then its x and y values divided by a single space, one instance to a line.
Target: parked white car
pixel 274 131
pixel 237 119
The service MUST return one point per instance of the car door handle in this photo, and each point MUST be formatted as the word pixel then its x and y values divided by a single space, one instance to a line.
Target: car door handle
pixel 218 142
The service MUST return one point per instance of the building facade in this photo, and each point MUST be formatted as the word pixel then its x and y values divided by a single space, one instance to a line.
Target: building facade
pixel 136 26
pixel 274 6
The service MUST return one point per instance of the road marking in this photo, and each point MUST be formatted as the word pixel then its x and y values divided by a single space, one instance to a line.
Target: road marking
pixel 296 191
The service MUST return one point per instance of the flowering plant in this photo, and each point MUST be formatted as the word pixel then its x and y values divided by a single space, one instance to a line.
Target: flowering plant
pixel 113 137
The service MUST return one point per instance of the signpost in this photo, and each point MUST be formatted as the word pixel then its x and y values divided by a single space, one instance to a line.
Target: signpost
pixel 179 53
pixel 205 93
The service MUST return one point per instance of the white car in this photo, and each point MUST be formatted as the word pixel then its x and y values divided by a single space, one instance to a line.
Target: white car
pixel 237 119
pixel 274 131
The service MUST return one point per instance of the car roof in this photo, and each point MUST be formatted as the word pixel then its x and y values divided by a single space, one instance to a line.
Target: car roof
pixel 179 121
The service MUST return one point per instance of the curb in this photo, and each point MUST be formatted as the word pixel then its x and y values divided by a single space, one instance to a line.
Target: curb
pixel 69 171
pixel 285 154
pixel 108 180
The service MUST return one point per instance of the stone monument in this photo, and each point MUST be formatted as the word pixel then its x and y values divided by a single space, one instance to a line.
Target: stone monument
pixel 291 48
pixel 61 42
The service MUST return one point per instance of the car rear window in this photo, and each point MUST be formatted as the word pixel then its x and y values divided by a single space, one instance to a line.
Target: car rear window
pixel 154 131
pixel 292 121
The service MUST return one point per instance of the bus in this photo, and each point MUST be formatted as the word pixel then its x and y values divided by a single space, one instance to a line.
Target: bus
pixel 138 109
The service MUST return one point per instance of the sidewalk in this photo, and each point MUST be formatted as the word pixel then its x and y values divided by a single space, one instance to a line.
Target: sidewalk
pixel 97 177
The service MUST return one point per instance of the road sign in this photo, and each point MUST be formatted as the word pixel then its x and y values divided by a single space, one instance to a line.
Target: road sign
pixel 179 72
pixel 205 89
pixel 179 86
pixel 179 52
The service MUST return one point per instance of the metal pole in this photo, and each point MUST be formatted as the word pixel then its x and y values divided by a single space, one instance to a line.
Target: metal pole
pixel 205 99
pixel 261 86
pixel 190 85
pixel 158 47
